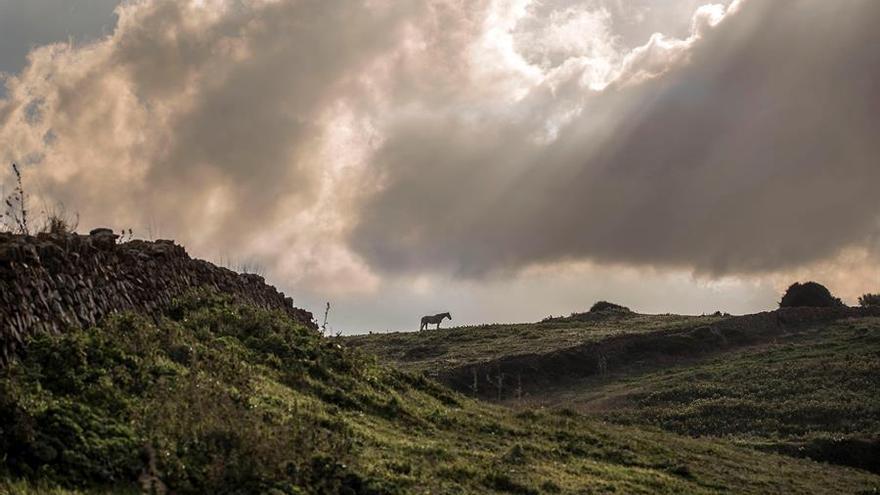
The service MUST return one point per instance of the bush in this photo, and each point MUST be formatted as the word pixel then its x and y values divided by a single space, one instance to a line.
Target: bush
pixel 60 222
pixel 185 398
pixel 607 306
pixel 869 300
pixel 809 294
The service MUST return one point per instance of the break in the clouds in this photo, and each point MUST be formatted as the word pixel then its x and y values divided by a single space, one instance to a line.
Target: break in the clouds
pixel 347 143
pixel 25 24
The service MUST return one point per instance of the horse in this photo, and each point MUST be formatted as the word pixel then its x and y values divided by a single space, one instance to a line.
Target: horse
pixel 431 320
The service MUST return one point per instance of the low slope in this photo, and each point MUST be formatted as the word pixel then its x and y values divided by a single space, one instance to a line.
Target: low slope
pixel 224 398
pixel 436 351
pixel 811 392
pixel 500 362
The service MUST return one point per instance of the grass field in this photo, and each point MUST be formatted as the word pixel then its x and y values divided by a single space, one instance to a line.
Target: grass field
pixel 812 392
pixel 222 398
pixel 435 350
pixel 801 382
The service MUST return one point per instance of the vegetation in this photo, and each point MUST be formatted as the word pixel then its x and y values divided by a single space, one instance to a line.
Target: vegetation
pixel 14 217
pixel 809 294
pixel 15 213
pixel 869 300
pixel 461 346
pixel 810 393
pixel 225 398
pixel 607 306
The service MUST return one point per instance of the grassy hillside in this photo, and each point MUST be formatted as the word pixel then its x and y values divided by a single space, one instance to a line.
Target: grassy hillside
pixel 799 381
pixel 222 398
pixel 811 392
pixel 435 350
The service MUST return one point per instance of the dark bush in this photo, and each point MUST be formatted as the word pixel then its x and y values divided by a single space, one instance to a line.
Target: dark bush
pixel 809 294
pixel 607 306
pixel 869 300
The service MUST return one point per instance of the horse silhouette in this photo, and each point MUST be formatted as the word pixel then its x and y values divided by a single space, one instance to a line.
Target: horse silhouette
pixel 432 320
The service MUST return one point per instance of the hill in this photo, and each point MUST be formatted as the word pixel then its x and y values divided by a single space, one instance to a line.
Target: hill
pixel 437 351
pixel 509 361
pixel 808 393
pixel 801 381
pixel 222 397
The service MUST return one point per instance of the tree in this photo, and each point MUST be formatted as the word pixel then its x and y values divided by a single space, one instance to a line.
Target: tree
pixel 607 306
pixel 869 300
pixel 809 294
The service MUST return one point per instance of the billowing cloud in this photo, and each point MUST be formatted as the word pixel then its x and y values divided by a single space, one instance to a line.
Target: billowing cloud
pixel 748 147
pixel 208 121
pixel 348 145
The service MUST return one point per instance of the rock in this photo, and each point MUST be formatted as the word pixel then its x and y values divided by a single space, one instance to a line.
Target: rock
pixel 103 238
pixel 7 253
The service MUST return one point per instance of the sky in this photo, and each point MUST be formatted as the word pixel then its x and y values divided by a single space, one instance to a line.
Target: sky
pixel 503 160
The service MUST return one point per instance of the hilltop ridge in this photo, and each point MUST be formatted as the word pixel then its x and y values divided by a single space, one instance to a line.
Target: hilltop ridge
pixel 531 356
pixel 52 282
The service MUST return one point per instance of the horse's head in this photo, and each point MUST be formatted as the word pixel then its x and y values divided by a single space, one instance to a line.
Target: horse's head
pixel 446 315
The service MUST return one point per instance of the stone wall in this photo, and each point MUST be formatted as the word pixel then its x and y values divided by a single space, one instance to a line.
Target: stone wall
pixel 52 282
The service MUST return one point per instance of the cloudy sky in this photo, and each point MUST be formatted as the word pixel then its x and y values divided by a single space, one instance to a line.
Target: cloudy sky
pixel 503 160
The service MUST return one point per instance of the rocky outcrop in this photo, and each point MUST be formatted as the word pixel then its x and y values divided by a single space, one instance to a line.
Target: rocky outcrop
pixel 51 282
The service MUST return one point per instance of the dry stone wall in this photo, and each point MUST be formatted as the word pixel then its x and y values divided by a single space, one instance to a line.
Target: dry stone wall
pixel 52 282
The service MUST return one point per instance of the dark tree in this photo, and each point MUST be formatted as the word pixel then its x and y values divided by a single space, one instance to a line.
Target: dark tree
pixel 607 306
pixel 809 294
pixel 869 300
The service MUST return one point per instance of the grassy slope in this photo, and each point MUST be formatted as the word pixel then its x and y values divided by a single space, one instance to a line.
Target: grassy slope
pixel 813 391
pixel 809 392
pixel 454 347
pixel 227 399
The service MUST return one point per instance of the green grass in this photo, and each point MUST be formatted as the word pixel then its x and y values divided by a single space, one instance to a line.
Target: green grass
pixel 222 398
pixel 23 487
pixel 436 350
pixel 813 392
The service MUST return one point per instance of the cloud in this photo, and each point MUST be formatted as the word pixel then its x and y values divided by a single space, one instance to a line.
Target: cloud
pixel 206 120
pixel 346 143
pixel 746 148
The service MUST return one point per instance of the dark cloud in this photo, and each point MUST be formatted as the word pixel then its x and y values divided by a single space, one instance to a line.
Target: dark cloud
pixel 751 148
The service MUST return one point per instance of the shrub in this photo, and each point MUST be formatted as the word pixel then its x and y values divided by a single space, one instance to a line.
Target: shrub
pixel 185 398
pixel 869 300
pixel 809 294
pixel 14 218
pixel 607 306
pixel 58 220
